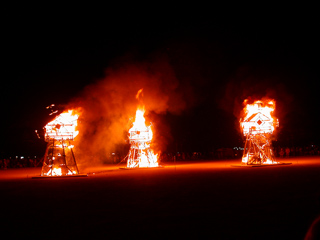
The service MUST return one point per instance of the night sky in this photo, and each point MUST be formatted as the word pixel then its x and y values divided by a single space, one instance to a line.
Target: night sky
pixel 50 57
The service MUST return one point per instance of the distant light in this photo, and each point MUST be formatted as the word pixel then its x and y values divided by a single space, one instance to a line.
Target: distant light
pixel 22 157
pixel 238 148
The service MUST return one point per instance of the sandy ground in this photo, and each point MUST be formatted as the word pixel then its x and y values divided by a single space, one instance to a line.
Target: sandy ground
pixel 198 200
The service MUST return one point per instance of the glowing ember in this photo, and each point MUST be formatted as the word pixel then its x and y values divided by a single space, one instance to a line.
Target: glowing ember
pixel 59 157
pixel 258 126
pixel 58 172
pixel 140 154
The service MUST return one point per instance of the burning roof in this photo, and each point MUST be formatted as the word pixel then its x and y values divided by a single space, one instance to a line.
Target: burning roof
pixel 63 126
pixel 257 125
pixel 258 118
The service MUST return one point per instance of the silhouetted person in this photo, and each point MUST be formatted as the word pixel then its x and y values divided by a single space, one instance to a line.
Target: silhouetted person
pixel 287 152
pixel 281 152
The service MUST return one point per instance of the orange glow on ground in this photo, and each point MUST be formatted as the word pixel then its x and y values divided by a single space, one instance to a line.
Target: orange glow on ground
pixel 183 199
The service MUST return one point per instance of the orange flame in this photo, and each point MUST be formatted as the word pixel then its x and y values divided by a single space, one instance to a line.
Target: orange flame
pixel 138 93
pixel 258 125
pixel 259 118
pixel 63 126
pixel 60 133
pixel 141 155
pixel 56 171
pixel 139 126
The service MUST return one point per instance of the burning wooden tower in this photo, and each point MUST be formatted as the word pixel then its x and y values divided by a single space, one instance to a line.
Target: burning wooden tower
pixel 140 136
pixel 258 126
pixel 59 159
pixel 140 154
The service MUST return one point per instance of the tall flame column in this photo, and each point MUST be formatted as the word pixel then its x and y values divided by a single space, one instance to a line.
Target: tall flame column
pixel 140 153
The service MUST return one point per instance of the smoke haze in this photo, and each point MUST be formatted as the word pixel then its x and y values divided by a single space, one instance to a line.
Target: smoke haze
pixel 109 106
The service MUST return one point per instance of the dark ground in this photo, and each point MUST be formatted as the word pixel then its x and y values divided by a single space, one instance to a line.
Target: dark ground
pixel 207 200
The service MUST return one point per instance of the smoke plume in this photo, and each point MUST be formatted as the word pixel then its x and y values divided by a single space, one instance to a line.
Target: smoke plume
pixel 108 107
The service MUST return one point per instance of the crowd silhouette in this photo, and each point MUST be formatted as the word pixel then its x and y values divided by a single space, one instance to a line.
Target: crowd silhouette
pixel 220 153
pixel 20 162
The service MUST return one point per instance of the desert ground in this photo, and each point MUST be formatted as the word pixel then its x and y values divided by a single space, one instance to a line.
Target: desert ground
pixel 200 200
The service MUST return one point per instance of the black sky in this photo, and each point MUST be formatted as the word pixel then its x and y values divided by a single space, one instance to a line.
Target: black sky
pixel 49 57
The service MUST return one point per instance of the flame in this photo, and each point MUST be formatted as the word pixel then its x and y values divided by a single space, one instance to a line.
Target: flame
pixel 258 118
pixel 141 155
pixel 58 172
pixel 63 126
pixel 60 133
pixel 138 93
pixel 258 125
pixel 139 127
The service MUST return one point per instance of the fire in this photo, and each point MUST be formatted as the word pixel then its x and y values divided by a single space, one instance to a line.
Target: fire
pixel 58 172
pixel 141 154
pixel 257 126
pixel 140 128
pixel 258 118
pixel 60 133
pixel 63 126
